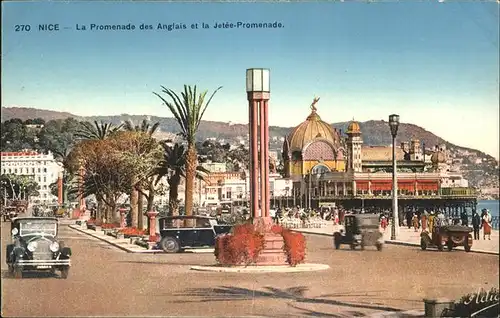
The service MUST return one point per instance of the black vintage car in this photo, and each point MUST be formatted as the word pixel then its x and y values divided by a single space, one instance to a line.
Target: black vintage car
pixel 35 247
pixel 179 232
pixel 360 230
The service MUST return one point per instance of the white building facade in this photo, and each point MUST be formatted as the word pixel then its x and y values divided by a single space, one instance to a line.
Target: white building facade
pixel 42 168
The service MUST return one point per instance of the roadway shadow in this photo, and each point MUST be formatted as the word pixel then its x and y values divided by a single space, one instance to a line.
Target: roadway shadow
pixel 159 263
pixel 31 275
pixel 297 294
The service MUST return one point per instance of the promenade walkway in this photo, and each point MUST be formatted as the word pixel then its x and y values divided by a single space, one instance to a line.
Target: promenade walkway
pixel 410 237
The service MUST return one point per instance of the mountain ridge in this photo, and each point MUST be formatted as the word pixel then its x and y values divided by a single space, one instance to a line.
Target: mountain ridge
pixel 374 132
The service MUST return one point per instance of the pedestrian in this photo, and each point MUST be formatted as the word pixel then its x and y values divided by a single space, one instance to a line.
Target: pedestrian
pixel 476 224
pixel 408 219
pixel 415 221
pixel 383 222
pixel 486 224
pixel 431 222
pixel 464 218
pixel 424 220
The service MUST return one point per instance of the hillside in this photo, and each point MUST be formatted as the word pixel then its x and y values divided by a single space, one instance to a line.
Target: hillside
pixel 375 132
pixel 479 168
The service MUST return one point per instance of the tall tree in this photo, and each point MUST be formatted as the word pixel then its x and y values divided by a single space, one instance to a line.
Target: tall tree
pixel 140 153
pixel 173 167
pixel 146 128
pixel 188 110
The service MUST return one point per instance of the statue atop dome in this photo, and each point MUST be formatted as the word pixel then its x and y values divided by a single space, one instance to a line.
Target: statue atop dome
pixel 313 107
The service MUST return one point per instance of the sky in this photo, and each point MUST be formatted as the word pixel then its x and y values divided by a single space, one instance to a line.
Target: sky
pixel 436 64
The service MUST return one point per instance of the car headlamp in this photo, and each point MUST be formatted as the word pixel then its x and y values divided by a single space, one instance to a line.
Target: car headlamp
pixel 54 247
pixel 32 246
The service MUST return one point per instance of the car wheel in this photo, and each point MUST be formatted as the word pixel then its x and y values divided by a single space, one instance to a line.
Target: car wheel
pixel 169 245
pixel 449 244
pixel 17 272
pixel 353 246
pixel 65 272
pixel 467 247
pixel 337 244
pixel 423 244
pixel 379 246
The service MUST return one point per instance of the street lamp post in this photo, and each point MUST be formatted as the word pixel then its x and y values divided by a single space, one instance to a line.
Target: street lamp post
pixel 258 94
pixel 394 124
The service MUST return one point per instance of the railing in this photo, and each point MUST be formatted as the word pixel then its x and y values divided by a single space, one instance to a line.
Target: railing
pixel 494 222
pixel 458 192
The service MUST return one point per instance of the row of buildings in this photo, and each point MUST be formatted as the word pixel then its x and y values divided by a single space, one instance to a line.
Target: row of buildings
pixel 322 166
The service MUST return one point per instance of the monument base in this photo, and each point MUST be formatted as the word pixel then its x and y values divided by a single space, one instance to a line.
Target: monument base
pixel 273 252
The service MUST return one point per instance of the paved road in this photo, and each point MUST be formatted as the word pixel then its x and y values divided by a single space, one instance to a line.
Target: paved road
pixel 105 281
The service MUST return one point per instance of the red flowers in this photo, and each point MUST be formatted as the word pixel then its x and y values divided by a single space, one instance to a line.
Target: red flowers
pixel 295 244
pixel 241 247
pixel 245 243
pixel 131 231
pixel 110 225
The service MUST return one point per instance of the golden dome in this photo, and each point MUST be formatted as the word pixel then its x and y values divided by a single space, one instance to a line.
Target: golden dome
pixel 312 128
pixel 353 128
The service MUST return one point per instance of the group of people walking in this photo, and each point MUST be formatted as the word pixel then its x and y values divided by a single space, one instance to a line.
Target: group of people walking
pixel 484 222
pixel 428 221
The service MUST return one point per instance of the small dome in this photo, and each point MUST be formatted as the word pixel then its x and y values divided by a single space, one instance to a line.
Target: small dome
pixel 353 128
pixel 438 157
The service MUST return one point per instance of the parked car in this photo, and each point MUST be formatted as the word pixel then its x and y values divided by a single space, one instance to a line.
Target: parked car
pixel 447 235
pixel 179 232
pixel 360 230
pixel 36 247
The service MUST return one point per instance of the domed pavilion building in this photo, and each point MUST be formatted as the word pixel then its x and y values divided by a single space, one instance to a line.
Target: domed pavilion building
pixel 314 146
pixel 327 167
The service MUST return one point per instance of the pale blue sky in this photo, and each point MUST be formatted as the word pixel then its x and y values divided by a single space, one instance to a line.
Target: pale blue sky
pixel 435 64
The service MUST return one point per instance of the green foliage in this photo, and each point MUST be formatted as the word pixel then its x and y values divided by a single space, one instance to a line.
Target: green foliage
pixel 58 136
pixel 15 185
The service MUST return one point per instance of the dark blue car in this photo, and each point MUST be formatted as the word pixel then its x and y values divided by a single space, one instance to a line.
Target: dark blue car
pixel 180 232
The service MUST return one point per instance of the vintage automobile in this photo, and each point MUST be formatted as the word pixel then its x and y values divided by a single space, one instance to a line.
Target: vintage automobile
pixel 35 246
pixel 360 230
pixel 447 235
pixel 179 232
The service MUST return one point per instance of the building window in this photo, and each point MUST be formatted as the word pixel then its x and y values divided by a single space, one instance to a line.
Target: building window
pixel 44 179
pixel 39 170
pixel 32 170
pixel 15 170
pixel 45 170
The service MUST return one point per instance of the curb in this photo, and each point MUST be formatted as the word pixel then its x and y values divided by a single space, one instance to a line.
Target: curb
pixel 123 248
pixel 262 269
pixel 409 313
pixel 403 243
pixel 138 251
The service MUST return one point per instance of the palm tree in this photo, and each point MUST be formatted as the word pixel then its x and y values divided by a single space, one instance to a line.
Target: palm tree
pixel 188 113
pixel 100 130
pixel 146 128
pixel 173 165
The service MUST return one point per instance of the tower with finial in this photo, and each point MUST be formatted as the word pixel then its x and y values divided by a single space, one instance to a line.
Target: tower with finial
pixel 354 144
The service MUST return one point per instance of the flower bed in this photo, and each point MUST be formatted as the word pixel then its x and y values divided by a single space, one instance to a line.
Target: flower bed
pixel 131 232
pixel 107 226
pixel 295 244
pixel 240 247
